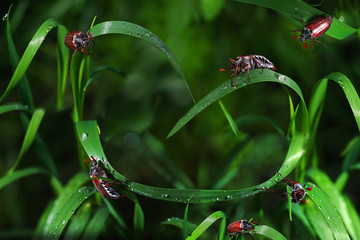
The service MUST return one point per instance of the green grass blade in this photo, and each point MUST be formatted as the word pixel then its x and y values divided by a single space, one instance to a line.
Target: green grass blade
pixel 256 77
pixel 176 222
pixel 29 136
pixel 268 232
pixel 139 221
pixel 206 224
pixel 71 197
pixel 325 183
pixel 29 54
pixel 89 138
pixel 24 88
pixel 351 153
pixel 229 118
pixel 329 212
pixel 78 222
pixel 185 227
pixel 96 224
pixel 302 224
pixel 318 222
pixel 115 70
pixel 13 106
pixel 7 179
pixel 119 219
pixel 354 218
pixel 62 67
pixel 338 30
pixel 131 29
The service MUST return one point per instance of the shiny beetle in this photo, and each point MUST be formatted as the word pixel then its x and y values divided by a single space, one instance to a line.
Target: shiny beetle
pixel 104 187
pixel 76 40
pixel 245 63
pixel 298 193
pixel 241 227
pixel 314 29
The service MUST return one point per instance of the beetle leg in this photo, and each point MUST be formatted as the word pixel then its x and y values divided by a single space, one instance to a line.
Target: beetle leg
pixel 320 42
pixel 248 73
pixel 72 56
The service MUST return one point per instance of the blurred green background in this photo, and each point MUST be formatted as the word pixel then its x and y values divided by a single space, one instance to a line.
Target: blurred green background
pixel 147 97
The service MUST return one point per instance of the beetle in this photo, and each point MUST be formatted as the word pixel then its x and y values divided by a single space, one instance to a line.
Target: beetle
pixel 316 27
pixel 241 227
pixel 76 40
pixel 104 187
pixel 298 192
pixel 245 63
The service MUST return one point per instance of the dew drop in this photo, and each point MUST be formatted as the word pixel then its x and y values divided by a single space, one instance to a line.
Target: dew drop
pixel 139 35
pixel 217 199
pixel 63 222
pixel 319 207
pixel 343 87
pixel 282 78
pixel 341 19
pixel 329 218
pixel 4 18
pixel 84 136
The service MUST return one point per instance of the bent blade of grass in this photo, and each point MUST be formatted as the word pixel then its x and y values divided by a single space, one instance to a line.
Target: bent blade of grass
pixel 29 136
pixel 179 223
pixel 329 212
pixel 89 138
pixel 325 183
pixel 29 54
pixel 256 76
pixel 206 224
pixel 318 222
pixel 139 221
pixel 338 30
pixel 13 106
pixel 7 179
pixel 71 197
pixel 134 30
pixel 268 232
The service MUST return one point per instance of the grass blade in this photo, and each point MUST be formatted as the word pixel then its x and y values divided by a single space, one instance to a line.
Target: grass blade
pixel 268 232
pixel 206 224
pixel 71 197
pixel 29 54
pixel 329 212
pixel 29 136
pixel 256 77
pixel 96 224
pixel 7 179
pixel 62 67
pixel 131 29
pixel 78 222
pixel 229 118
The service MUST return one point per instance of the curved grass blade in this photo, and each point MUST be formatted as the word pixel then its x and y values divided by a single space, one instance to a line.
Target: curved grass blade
pixel 338 30
pixel 139 221
pixel 318 222
pixel 24 88
pixel 29 136
pixel 176 222
pixel 89 138
pixel 29 54
pixel 256 77
pixel 14 106
pixel 185 228
pixel 7 179
pixel 302 223
pixel 96 224
pixel 206 224
pixel 328 211
pixel 78 222
pixel 325 183
pixel 119 219
pixel 268 232
pixel 131 29
pixel 71 197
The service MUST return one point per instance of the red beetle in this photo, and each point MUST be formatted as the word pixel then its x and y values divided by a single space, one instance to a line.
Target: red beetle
pixel 241 227
pixel 314 29
pixel 104 187
pixel 76 40
pixel 245 63
pixel 298 193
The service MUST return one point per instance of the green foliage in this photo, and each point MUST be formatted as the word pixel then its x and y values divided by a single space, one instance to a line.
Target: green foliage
pixel 206 165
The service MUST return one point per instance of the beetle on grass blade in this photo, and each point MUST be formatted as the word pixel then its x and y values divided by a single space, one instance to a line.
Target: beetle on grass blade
pixel 298 192
pixel 245 63
pixel 316 27
pixel 241 227
pixel 76 40
pixel 104 187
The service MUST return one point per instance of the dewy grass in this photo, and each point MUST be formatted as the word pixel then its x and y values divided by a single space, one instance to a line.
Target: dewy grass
pixel 328 212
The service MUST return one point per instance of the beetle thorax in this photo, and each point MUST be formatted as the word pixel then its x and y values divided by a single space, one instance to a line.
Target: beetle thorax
pixel 81 40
